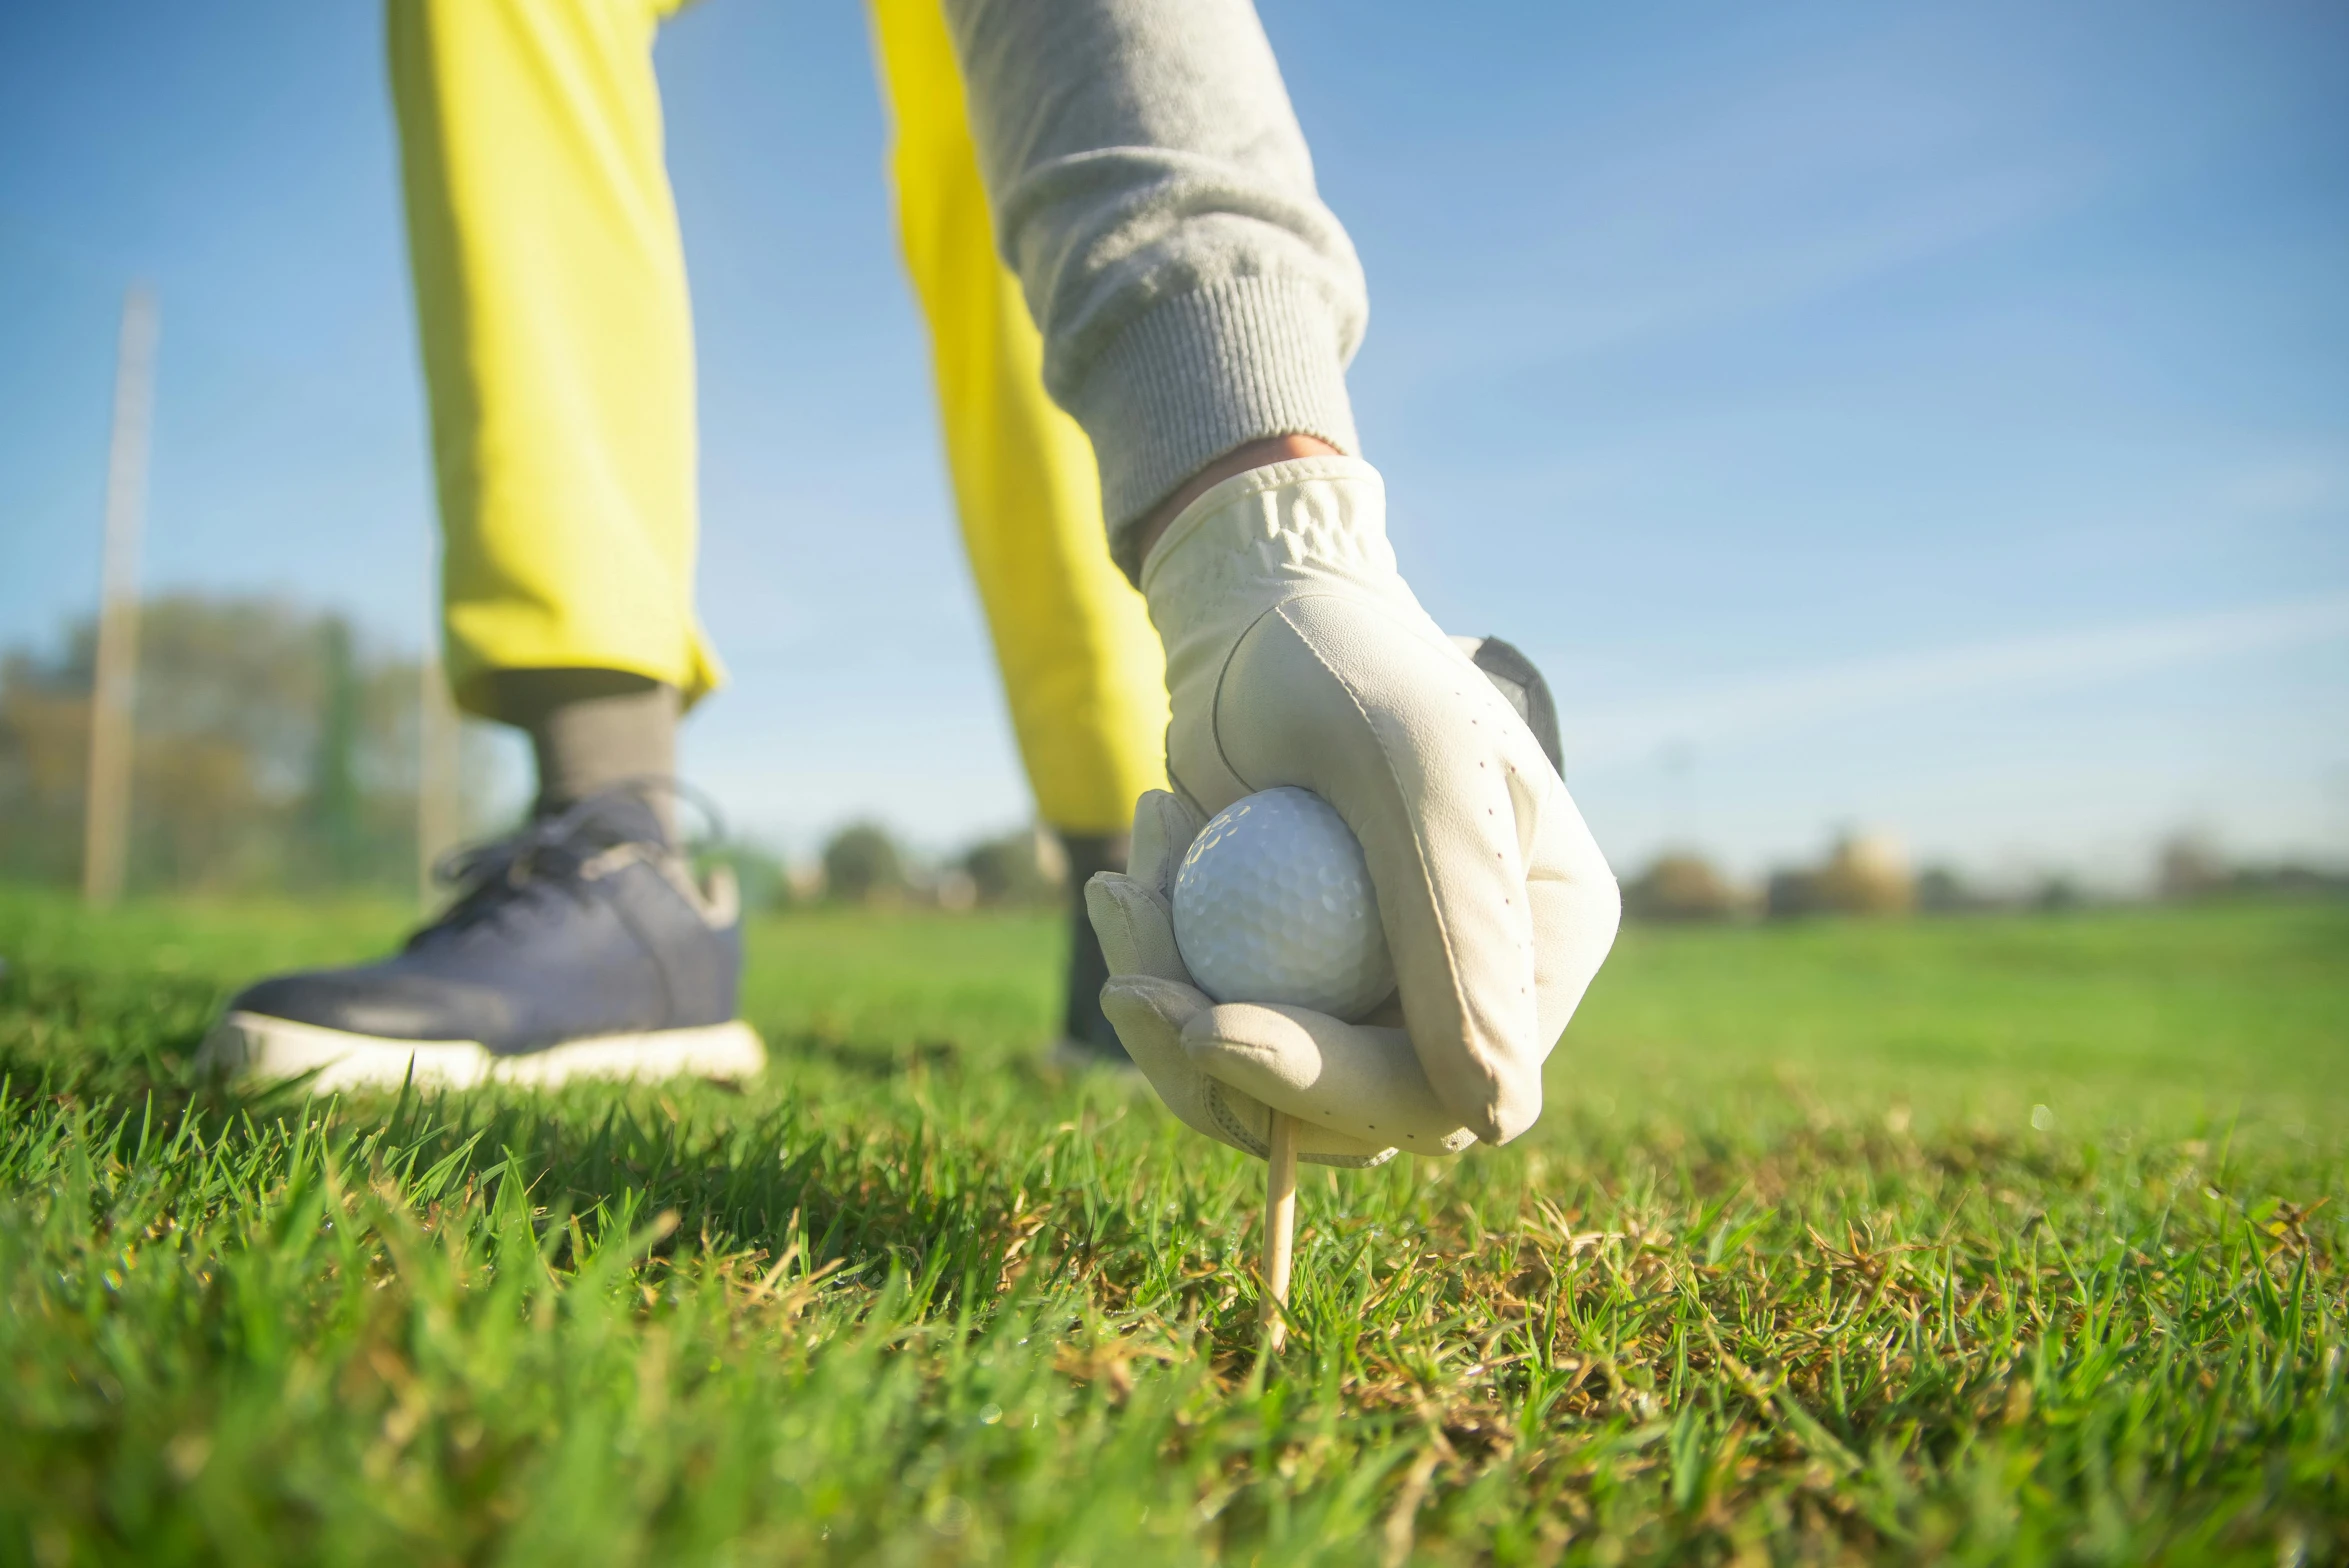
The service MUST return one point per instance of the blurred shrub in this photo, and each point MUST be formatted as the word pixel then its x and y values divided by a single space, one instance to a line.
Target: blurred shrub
pixel 1942 891
pixel 1791 894
pixel 2057 894
pixel 1680 886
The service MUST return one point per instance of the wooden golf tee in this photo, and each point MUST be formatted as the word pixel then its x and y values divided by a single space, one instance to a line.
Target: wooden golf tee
pixel 1280 1226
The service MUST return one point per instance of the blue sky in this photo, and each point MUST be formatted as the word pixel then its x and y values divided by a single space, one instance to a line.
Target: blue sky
pixel 1934 417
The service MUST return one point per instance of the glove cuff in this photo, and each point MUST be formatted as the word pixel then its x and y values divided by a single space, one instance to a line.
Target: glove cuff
pixel 1261 536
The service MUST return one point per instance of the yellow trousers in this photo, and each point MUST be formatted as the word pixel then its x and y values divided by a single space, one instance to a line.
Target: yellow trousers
pixel 558 353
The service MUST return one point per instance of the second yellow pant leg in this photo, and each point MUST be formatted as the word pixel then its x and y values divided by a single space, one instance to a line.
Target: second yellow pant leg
pixel 1081 666
pixel 558 343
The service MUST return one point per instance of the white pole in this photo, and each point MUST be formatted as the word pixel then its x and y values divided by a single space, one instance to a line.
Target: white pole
pixel 107 796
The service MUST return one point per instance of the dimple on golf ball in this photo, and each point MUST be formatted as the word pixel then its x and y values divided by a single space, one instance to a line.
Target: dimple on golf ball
pixel 1273 903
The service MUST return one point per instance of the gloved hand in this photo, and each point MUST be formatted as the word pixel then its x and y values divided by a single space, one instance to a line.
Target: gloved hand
pixel 1296 655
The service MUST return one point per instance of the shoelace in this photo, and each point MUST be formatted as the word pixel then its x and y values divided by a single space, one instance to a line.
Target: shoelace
pixel 543 855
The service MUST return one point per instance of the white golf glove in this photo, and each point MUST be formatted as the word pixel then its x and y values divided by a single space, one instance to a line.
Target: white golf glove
pixel 1296 655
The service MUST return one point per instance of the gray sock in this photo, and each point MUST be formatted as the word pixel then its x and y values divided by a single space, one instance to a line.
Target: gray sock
pixel 1081 1015
pixel 591 729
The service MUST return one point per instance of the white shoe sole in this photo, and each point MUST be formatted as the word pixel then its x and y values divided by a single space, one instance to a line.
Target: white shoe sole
pixel 260 1046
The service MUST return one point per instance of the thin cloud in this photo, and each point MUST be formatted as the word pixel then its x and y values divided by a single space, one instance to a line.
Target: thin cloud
pixel 2291 488
pixel 1798 189
pixel 1798 699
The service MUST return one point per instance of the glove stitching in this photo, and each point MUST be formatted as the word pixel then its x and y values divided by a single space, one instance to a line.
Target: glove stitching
pixel 1237 1134
pixel 1182 792
pixel 1418 849
pixel 1215 702
pixel 1351 1162
pixel 1229 1120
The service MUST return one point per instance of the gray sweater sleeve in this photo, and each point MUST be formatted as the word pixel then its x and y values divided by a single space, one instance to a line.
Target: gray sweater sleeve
pixel 1153 192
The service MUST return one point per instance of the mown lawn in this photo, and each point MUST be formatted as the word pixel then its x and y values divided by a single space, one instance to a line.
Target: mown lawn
pixel 2005 1240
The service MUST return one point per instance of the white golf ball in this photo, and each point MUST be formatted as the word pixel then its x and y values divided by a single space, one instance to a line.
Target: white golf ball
pixel 1273 903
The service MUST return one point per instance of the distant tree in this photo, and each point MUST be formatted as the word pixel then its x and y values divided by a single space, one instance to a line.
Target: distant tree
pixel 1014 869
pixel 1867 874
pixel 2190 867
pixel 2057 894
pixel 2289 879
pixel 1680 886
pixel 863 865
pixel 44 754
pixel 333 806
pixel 1864 874
pixel 272 749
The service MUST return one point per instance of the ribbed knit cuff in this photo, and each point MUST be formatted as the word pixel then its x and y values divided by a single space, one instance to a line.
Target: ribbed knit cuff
pixel 1200 374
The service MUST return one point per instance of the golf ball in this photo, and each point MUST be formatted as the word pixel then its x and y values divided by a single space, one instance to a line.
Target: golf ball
pixel 1273 903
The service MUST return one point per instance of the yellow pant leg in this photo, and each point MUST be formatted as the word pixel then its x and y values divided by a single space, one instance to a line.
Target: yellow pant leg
pixel 558 344
pixel 1081 666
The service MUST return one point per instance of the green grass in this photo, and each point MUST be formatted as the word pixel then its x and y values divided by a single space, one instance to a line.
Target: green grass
pixel 2006 1240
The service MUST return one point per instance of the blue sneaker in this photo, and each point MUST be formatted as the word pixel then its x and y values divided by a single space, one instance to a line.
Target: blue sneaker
pixel 579 946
